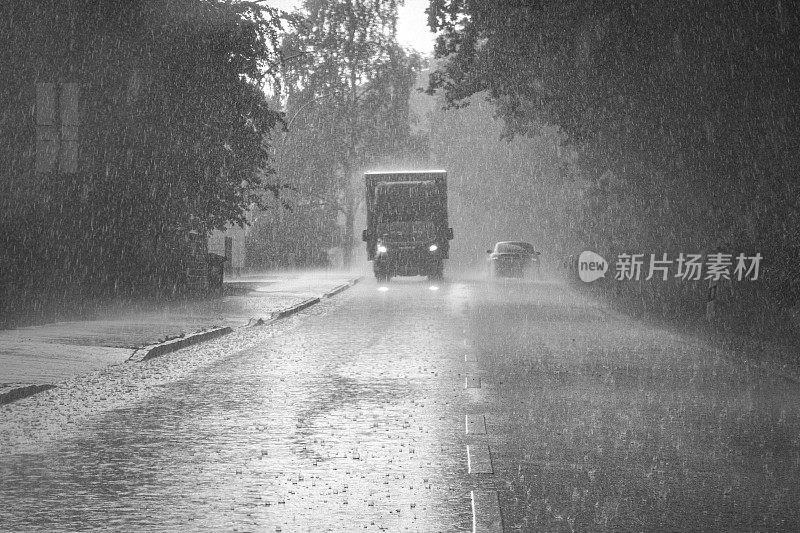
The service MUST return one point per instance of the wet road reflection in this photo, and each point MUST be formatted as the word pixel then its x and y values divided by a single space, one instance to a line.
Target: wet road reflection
pixel 348 421
pixel 351 417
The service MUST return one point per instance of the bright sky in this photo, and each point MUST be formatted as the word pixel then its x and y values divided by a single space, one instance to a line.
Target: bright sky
pixel 412 24
pixel 412 27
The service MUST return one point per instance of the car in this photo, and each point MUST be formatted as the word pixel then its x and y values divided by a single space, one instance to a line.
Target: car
pixel 513 259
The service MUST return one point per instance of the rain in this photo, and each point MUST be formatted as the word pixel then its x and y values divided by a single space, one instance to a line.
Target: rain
pixel 386 265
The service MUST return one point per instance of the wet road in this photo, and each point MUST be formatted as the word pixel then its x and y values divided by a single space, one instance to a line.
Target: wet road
pixel 407 409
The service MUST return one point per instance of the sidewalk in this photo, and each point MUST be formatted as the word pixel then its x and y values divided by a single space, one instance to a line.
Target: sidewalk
pixel 45 355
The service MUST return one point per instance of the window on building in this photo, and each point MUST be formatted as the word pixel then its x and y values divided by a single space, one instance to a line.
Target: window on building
pixel 57 127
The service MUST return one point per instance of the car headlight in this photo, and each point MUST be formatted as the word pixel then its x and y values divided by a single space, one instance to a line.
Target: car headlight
pixel 381 249
pixel 433 247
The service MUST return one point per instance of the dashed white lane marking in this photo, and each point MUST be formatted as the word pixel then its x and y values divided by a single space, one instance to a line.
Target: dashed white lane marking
pixel 476 425
pixel 486 512
pixel 485 504
pixel 472 382
pixel 479 460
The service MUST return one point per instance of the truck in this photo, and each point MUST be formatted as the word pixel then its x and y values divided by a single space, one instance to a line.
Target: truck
pixel 407 230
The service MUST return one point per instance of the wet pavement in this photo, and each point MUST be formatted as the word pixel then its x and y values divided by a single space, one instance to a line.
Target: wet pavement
pixel 416 408
pixel 51 353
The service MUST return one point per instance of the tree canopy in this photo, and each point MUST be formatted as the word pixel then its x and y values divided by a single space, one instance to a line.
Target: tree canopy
pixel 172 122
pixel 347 84
pixel 685 113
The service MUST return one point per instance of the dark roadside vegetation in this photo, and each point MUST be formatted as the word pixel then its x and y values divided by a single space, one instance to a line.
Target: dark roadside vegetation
pixel 675 125
pixel 119 140
pixel 129 131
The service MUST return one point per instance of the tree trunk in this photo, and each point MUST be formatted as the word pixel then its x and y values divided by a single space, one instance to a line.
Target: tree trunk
pixel 349 210
pixel 349 233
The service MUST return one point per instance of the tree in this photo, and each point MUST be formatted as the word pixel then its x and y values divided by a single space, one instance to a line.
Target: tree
pixel 684 113
pixel 172 124
pixel 347 92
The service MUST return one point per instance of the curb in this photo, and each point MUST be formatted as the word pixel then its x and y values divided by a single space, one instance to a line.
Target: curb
pixel 23 392
pixel 336 290
pixel 172 345
pixel 283 313
pixel 188 340
pixel 342 287
pixel 181 342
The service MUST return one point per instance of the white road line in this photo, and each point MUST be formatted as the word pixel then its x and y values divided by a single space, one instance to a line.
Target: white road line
pixel 479 460
pixel 476 425
pixel 472 382
pixel 486 512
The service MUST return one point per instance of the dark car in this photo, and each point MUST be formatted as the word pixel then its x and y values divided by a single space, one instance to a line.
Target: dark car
pixel 513 259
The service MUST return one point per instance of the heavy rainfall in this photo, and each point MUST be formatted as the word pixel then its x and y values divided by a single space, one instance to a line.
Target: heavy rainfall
pixel 283 266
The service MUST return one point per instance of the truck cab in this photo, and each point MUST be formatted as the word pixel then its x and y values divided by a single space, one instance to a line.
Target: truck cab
pixel 407 230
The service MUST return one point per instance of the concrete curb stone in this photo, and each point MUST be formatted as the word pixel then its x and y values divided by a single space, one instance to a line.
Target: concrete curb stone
pixel 195 338
pixel 336 290
pixel 283 313
pixel 172 345
pixel 23 392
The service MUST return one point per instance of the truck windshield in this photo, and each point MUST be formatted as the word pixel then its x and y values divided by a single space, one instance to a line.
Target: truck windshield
pixel 407 201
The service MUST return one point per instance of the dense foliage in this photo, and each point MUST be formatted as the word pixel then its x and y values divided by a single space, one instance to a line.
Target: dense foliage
pixel 347 84
pixel 172 130
pixel 685 114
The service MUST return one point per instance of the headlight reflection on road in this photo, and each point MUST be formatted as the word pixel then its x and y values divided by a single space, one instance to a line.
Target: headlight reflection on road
pixel 383 288
pixel 433 288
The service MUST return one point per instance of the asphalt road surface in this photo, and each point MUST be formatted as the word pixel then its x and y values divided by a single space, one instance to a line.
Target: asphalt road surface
pixel 504 406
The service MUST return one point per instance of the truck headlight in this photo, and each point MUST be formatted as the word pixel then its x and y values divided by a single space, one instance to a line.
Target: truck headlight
pixel 433 247
pixel 381 249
